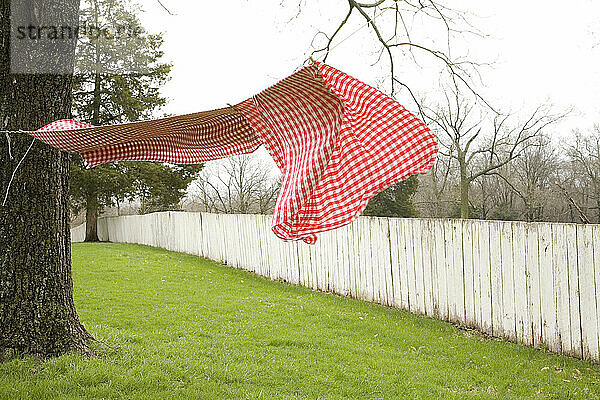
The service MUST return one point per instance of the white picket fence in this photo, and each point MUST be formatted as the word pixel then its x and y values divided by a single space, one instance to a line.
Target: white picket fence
pixel 534 283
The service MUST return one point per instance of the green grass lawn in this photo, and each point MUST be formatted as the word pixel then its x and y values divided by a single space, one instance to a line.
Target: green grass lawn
pixel 179 326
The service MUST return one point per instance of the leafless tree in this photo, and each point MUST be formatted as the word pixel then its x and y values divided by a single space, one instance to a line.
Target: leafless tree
pixel 533 177
pixel 239 184
pixel 584 154
pixel 523 189
pixel 434 197
pixel 490 198
pixel 479 143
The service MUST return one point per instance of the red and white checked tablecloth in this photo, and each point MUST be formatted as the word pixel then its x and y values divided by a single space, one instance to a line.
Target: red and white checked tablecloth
pixel 336 140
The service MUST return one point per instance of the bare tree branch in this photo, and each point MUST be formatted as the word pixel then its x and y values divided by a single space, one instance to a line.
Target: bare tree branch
pixel 458 70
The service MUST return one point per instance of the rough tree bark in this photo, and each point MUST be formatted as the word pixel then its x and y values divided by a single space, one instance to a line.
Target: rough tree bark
pixel 37 312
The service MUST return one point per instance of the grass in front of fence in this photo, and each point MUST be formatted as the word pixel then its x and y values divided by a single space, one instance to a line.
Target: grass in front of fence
pixel 184 327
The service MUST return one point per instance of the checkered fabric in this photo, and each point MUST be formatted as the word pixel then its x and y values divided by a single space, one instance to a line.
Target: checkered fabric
pixel 184 139
pixel 336 140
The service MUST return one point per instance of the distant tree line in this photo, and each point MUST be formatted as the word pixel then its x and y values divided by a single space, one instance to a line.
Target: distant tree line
pixel 550 179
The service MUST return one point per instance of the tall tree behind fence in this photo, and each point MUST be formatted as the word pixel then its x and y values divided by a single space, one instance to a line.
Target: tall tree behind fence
pixel 533 283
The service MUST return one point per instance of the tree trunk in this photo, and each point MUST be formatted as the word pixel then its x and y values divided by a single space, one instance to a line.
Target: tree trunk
pixel 91 204
pixel 464 199
pixel 37 312
pixel 91 220
pixel 464 190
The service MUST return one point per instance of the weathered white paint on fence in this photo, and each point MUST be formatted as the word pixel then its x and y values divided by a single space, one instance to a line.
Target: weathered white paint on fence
pixel 78 233
pixel 534 283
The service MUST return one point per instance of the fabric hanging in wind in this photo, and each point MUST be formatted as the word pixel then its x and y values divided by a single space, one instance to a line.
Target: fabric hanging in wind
pixel 336 140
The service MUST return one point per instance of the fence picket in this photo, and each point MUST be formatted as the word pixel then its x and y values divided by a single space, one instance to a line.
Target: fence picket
pixel 587 258
pixel 403 263
pixel 441 267
pixel 596 241
pixel 418 266
pixel 520 278
pixel 548 300
pixel 410 266
pixel 508 282
pixel 561 288
pixel 428 265
pixel 468 272
pixel 450 270
pixel 573 294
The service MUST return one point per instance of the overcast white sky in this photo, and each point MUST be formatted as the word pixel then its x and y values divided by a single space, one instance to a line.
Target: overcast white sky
pixel 225 51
